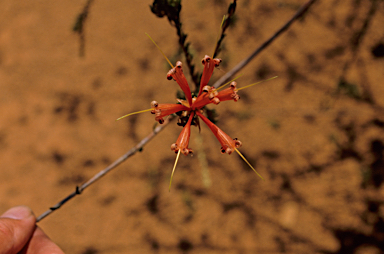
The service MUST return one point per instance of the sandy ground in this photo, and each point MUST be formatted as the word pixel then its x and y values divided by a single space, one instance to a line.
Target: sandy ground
pixel 315 133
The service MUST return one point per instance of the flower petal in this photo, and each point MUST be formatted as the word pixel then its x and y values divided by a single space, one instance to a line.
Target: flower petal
pixel 228 145
pixel 229 93
pixel 162 110
pixel 183 139
pixel 208 96
pixel 177 74
pixel 209 65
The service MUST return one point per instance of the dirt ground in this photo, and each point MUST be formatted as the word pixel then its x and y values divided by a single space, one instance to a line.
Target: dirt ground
pixel 315 133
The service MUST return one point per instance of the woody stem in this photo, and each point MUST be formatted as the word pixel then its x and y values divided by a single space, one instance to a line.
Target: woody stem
pixel 243 63
pixel 188 56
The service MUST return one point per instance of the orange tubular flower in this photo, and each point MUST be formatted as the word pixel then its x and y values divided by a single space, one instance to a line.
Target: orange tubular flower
pixel 228 145
pixel 183 140
pixel 209 65
pixel 162 110
pixel 229 93
pixel 177 74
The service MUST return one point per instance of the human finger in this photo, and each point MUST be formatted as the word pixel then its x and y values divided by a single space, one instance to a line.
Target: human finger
pixel 40 243
pixel 16 227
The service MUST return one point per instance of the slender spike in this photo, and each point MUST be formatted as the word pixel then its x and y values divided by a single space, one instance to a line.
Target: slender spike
pixel 174 167
pixel 249 164
pixel 166 58
pixel 229 82
pixel 241 88
pixel 218 36
pixel 222 21
pixel 134 113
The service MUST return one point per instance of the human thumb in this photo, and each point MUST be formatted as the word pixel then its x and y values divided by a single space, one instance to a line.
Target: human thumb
pixel 16 227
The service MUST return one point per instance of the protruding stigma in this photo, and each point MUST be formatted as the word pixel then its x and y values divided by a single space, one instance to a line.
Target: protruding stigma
pixel 249 164
pixel 229 82
pixel 241 88
pixel 134 113
pixel 166 58
pixel 174 167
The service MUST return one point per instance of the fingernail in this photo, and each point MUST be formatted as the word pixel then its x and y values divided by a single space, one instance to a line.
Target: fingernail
pixel 18 213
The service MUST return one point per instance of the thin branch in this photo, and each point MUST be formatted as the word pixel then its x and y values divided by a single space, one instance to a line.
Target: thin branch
pixel 144 141
pixel 243 63
pixel 225 24
pixel 171 9
pixel 96 177
pixel 188 56
pixel 79 26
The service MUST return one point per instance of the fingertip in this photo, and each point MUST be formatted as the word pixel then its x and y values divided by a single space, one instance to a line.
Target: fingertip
pixel 16 227
pixel 18 213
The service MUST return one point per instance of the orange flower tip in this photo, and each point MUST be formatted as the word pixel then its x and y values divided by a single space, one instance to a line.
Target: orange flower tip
pixel 185 151
pixel 226 149
pixel 174 147
pixel 206 89
pixel 172 71
pixel 238 143
pixel 179 64
pixel 154 104
pixel 236 98
pixel 157 112
pixel 234 95
pixel 229 93
pixel 207 59
pixel 212 94
pixel 215 100
pixel 217 62
pixel 169 74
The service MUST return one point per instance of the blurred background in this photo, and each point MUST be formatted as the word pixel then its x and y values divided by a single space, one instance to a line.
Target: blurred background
pixel 315 133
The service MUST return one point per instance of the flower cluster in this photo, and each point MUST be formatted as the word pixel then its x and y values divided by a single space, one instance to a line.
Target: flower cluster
pixel 192 108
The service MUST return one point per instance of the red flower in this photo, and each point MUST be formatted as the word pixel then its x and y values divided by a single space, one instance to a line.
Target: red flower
pixel 228 145
pixel 209 65
pixel 163 110
pixel 183 140
pixel 193 107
